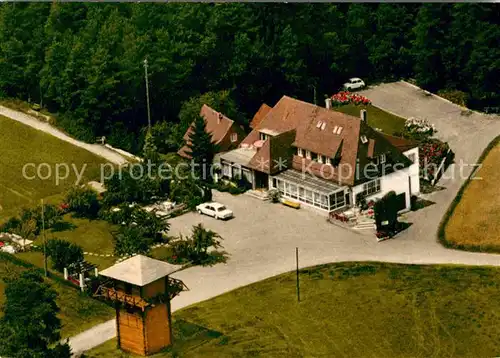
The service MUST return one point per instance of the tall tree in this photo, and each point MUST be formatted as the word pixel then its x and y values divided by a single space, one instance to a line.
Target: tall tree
pixel 30 326
pixel 201 149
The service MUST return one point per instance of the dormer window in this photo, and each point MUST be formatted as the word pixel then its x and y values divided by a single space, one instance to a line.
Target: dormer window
pixel 262 136
pixel 319 124
pixel 234 137
pixel 323 126
pixel 300 152
pixel 337 130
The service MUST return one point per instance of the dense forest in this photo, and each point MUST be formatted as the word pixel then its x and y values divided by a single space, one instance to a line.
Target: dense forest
pixel 85 61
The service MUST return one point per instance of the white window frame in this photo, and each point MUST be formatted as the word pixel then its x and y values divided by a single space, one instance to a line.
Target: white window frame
pixel 320 158
pixel 234 137
pixel 262 136
pixel 383 158
pixel 328 161
pixel 308 154
pixel 300 152
pixel 371 187
pixel 412 157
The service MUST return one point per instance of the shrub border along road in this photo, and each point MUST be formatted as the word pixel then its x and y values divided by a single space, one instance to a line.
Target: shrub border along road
pixel 447 216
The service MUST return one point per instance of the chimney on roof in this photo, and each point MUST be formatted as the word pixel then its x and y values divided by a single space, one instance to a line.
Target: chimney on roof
pixel 362 115
pixel 219 117
pixel 328 103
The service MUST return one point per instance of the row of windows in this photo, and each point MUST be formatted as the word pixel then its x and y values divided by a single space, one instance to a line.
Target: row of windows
pixel 322 159
pixel 369 188
pixel 303 194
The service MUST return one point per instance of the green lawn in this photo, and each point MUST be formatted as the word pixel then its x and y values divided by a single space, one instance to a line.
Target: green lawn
pixel 376 117
pixel 20 145
pixel 94 236
pixel 78 312
pixel 347 310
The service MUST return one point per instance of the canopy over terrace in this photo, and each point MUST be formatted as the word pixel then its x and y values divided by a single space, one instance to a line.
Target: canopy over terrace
pixel 311 190
pixel 235 163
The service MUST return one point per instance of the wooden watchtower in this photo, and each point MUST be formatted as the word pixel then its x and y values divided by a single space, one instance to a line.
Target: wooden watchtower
pixel 141 289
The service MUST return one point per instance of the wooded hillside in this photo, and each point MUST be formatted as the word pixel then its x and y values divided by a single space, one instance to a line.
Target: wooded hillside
pixel 85 61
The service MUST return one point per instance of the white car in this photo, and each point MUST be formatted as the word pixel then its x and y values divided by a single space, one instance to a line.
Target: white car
pixel 214 209
pixel 354 83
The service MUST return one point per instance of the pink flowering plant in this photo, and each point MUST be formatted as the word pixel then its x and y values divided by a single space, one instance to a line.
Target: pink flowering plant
pixel 432 152
pixel 346 97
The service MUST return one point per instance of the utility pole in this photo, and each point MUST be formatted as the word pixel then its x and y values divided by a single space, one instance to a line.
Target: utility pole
pixel 44 241
pixel 297 271
pixel 147 91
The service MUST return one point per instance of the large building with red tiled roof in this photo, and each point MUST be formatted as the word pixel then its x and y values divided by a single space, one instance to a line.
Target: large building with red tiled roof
pixel 226 134
pixel 323 158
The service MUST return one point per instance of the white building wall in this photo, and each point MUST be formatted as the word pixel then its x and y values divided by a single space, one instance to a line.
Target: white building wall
pixel 399 182
pixel 414 171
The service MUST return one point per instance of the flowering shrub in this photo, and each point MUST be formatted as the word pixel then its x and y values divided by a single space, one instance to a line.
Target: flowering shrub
pixel 346 97
pixel 432 152
pixel 418 128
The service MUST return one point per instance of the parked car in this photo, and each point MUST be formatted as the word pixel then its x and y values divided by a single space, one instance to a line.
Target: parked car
pixel 354 83
pixel 214 209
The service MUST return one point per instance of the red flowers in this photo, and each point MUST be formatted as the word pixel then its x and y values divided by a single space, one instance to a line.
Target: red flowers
pixel 345 97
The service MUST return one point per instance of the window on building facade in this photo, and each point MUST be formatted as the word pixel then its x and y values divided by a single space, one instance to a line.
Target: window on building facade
pixel 382 158
pixel 320 158
pixel 234 137
pixel 226 170
pixel 262 136
pixel 308 196
pixel 308 154
pixel 337 200
pixel 328 161
pixel 300 153
pixel 371 187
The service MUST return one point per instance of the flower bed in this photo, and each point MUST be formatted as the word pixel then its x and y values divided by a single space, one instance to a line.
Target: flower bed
pixel 346 97
pixel 339 217
pixel 419 128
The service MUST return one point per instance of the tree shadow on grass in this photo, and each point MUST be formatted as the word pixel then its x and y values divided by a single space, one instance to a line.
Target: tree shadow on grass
pixel 188 336
pixel 63 226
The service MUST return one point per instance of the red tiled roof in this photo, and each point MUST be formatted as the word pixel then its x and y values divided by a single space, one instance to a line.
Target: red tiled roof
pixel 402 144
pixel 259 116
pixel 317 129
pixel 217 124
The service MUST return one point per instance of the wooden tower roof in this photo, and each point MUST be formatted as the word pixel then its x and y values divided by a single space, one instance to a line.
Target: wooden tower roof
pixel 140 270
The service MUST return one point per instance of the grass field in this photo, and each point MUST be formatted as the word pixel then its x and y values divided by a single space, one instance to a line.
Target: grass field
pixel 21 144
pixel 78 312
pixel 376 117
pixel 474 223
pixel 346 310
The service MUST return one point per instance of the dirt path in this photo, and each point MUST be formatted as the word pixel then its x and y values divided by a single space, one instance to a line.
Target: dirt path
pixel 34 122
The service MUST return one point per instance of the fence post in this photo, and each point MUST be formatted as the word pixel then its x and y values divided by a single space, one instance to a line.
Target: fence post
pixel 82 284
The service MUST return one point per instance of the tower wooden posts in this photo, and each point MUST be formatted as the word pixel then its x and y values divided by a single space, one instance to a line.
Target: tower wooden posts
pixel 141 290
